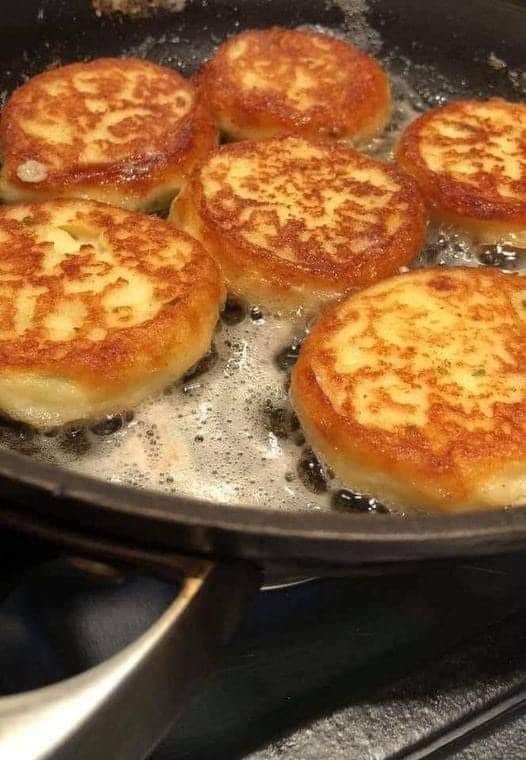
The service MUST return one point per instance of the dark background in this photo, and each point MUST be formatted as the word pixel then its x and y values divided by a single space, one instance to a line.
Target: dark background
pixel 353 668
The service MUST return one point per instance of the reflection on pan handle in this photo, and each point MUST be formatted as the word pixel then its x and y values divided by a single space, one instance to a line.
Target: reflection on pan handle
pixel 123 707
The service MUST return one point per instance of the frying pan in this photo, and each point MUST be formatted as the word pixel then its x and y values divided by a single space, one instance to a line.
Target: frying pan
pixel 215 552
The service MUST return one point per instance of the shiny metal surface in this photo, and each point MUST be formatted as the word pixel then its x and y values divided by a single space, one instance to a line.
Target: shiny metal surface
pixel 275 584
pixel 123 707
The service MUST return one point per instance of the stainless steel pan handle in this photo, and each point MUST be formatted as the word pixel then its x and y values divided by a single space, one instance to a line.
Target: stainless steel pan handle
pixel 123 707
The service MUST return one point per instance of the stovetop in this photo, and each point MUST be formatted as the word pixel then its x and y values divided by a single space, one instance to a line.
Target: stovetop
pixel 426 664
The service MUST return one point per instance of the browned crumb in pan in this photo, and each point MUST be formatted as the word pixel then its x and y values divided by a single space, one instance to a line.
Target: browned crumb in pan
pixel 136 7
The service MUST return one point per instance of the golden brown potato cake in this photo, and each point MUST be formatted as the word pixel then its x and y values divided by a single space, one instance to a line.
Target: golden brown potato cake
pixel 123 131
pixel 99 308
pixel 469 160
pixel 295 222
pixel 276 81
pixel 414 390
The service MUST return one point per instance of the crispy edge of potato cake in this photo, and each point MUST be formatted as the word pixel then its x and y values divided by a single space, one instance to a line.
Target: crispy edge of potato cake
pixel 99 308
pixel 399 427
pixel 311 84
pixel 308 275
pixel 456 136
pixel 60 135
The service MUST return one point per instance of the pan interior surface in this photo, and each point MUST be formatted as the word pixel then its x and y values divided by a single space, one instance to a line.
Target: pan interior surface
pixel 226 433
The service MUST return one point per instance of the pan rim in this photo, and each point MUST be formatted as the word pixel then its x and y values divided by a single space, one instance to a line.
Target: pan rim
pixel 54 489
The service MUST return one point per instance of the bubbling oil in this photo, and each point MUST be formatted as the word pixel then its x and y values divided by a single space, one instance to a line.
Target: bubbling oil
pixel 226 431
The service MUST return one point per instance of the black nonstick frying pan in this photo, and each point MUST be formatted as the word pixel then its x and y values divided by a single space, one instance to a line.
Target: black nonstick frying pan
pixel 217 550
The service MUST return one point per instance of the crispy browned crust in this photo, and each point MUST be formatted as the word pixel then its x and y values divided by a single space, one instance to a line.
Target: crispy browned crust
pixel 184 278
pixel 318 265
pixel 479 201
pixel 442 464
pixel 350 91
pixel 146 151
